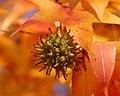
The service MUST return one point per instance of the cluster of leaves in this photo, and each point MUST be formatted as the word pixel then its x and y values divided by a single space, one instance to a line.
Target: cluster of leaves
pixel 89 21
pixel 80 16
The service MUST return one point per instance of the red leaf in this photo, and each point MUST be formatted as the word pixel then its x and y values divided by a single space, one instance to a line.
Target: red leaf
pixel 104 62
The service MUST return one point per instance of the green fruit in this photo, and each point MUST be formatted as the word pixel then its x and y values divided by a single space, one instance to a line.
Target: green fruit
pixel 59 52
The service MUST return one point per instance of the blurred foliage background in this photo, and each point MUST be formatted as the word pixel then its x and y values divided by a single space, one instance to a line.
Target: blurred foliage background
pixel 18 74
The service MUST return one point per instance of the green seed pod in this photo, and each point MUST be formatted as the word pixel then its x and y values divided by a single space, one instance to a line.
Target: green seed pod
pixel 59 52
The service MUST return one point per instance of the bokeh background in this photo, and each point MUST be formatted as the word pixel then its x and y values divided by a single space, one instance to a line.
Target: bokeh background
pixel 18 74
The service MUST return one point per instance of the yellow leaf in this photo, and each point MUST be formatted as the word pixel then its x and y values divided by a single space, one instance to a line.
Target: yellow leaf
pixel 96 7
pixel 108 17
pixel 114 6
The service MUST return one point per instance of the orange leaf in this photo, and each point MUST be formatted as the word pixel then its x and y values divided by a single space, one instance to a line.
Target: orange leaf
pixel 114 6
pixel 107 30
pixel 96 7
pixel 49 11
pixel 72 3
pixel 114 82
pixel 84 83
pixel 117 65
pixel 117 84
pixel 113 91
pixel 80 24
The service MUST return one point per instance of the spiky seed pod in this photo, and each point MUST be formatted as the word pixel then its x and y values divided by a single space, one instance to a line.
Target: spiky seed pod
pixel 59 52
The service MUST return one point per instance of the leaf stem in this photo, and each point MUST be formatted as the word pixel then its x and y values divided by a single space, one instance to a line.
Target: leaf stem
pixel 105 90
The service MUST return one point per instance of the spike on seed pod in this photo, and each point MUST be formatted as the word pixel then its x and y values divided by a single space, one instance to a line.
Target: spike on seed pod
pixel 59 52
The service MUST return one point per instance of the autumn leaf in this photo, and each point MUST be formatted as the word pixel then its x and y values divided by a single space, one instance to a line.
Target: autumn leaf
pixel 79 21
pixel 80 25
pixel 113 6
pixel 106 30
pixel 117 63
pixel 104 62
pixel 82 81
pixel 117 84
pixel 49 11
pixel 96 7
pixel 114 87
pixel 72 3
pixel 109 17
